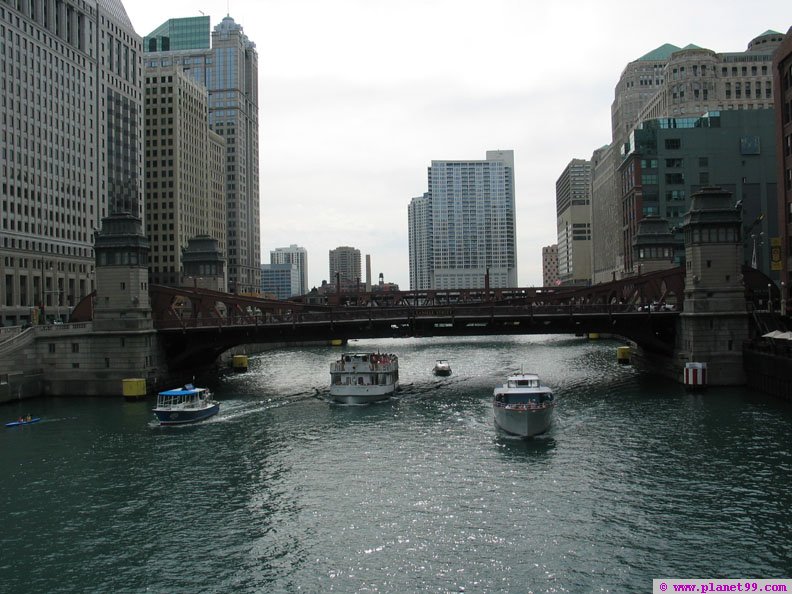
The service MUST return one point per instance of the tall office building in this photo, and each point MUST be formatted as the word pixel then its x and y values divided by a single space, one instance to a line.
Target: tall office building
pixel 293 255
pixel 281 280
pixel 345 262
pixel 228 68
pixel 670 159
pixel 672 82
pixel 464 227
pixel 71 150
pixel 185 168
pixel 573 212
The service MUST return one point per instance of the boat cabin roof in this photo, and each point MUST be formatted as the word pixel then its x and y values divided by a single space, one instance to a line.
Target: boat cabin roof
pixel 523 376
pixel 188 389
pixel 524 380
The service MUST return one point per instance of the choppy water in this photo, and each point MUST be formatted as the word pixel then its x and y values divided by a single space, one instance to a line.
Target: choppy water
pixel 285 492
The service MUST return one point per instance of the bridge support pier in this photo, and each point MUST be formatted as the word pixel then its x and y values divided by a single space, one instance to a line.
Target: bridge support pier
pixel 715 322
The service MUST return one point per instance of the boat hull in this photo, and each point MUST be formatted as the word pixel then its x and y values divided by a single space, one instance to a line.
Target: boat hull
pixel 20 423
pixel 362 394
pixel 184 416
pixel 523 423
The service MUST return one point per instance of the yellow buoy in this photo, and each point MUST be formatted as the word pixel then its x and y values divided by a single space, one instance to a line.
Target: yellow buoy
pixel 623 355
pixel 337 342
pixel 134 388
pixel 240 363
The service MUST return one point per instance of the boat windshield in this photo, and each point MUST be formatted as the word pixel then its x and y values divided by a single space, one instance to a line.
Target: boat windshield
pixel 524 383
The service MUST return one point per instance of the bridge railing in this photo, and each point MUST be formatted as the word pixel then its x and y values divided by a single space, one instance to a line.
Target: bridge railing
pixel 403 314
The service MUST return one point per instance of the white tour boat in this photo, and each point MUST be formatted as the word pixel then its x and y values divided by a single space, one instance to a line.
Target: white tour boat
pixel 360 378
pixel 523 406
pixel 442 367
pixel 185 405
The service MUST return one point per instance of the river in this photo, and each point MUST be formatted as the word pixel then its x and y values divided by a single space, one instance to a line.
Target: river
pixel 285 492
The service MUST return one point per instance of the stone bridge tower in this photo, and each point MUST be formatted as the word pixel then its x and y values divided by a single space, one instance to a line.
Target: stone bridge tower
pixel 715 320
pixel 124 342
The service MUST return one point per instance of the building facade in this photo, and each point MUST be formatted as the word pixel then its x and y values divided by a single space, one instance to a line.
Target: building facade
pixel 573 212
pixel 344 266
pixel 670 159
pixel 228 68
pixel 782 78
pixel 419 225
pixel 463 228
pixel 550 266
pixel 280 280
pixel 296 255
pixel 72 147
pixel 607 257
pixel 184 159
pixel 679 82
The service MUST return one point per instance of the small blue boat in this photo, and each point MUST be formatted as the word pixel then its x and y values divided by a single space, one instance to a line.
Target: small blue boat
pixel 185 405
pixel 23 422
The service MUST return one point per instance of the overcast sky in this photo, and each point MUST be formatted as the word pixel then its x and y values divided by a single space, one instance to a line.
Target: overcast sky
pixel 356 97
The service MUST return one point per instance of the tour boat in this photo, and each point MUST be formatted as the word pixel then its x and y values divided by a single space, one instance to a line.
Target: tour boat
pixel 523 406
pixel 361 378
pixel 442 367
pixel 185 405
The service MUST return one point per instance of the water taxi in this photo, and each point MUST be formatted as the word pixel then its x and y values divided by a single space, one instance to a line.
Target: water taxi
pixel 442 367
pixel 523 406
pixel 361 378
pixel 185 405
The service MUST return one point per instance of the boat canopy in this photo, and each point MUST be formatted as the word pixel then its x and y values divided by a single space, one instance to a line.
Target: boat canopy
pixel 180 392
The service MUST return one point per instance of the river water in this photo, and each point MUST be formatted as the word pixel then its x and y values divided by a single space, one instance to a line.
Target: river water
pixel 284 492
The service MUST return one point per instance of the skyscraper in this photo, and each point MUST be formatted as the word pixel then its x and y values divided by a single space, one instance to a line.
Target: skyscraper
pixel 573 212
pixel 345 262
pixel 673 82
pixel 229 70
pixel 185 172
pixel 463 228
pixel 71 152
pixel 293 255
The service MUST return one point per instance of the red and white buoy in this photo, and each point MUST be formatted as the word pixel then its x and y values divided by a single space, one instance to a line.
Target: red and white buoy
pixel 695 376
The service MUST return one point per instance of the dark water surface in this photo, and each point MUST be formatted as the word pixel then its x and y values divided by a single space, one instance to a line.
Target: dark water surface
pixel 285 492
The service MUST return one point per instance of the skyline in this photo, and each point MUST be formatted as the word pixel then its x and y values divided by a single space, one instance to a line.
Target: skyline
pixel 367 94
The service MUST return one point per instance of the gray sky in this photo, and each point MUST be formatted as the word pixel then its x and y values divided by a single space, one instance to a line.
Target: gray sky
pixel 356 97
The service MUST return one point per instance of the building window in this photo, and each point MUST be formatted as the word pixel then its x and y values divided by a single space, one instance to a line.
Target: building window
pixel 673 143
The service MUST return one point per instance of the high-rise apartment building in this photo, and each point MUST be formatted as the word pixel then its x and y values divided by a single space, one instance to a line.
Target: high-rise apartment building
pixel 71 151
pixel 463 228
pixel 573 212
pixel 419 223
pixel 185 171
pixel 293 255
pixel 228 68
pixel 550 266
pixel 344 265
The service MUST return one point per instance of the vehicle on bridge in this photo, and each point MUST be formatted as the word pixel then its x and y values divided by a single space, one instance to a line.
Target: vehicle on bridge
pixel 523 406
pixel 185 405
pixel 362 378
